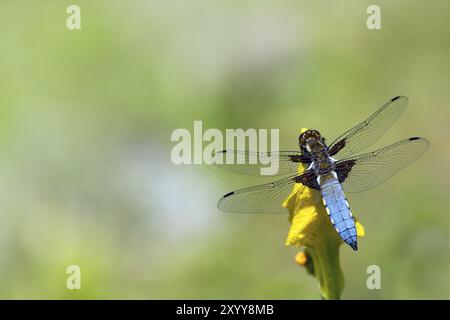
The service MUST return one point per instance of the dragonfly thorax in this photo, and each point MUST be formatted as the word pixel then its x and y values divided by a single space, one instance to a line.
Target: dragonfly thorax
pixel 323 164
pixel 312 142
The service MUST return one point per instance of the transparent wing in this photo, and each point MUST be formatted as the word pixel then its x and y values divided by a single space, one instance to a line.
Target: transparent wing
pixel 265 198
pixel 369 131
pixel 251 163
pixel 364 172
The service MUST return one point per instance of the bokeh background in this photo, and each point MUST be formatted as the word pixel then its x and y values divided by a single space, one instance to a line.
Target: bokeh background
pixel 85 124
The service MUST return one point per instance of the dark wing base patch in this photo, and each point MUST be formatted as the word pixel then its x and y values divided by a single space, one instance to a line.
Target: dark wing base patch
pixel 343 168
pixel 337 147
pixel 308 179
pixel 303 158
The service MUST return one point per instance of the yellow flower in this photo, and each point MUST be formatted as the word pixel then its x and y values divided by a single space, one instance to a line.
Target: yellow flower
pixel 311 228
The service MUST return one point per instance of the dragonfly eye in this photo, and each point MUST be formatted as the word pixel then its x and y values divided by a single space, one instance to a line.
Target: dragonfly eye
pixel 308 137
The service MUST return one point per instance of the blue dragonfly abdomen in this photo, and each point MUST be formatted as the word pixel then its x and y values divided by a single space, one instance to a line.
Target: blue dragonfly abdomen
pixel 338 209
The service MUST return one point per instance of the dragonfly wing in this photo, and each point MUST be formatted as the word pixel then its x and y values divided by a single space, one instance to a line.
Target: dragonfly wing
pixel 366 171
pixel 369 131
pixel 265 198
pixel 251 163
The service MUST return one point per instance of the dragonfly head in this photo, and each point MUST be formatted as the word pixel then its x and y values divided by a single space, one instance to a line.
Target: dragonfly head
pixel 311 141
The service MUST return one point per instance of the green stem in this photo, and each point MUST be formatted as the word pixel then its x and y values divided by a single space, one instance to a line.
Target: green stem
pixel 327 270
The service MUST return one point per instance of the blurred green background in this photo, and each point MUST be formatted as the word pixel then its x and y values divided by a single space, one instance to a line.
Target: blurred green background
pixel 85 124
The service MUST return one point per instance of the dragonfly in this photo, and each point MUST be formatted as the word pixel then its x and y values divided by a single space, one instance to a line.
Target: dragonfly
pixel 332 169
